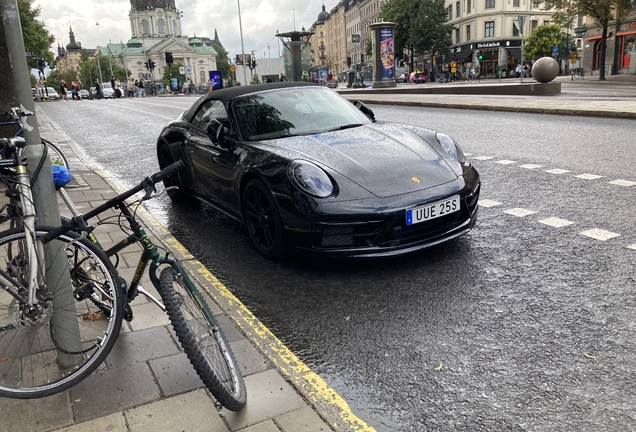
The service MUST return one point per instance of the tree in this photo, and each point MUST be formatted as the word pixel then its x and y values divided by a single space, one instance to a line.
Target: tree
pixel 37 38
pixel 421 25
pixel 222 60
pixel 602 11
pixel 174 70
pixel 543 39
pixel 368 49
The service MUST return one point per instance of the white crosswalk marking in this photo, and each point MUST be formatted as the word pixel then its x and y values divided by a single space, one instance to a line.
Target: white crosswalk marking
pixel 556 222
pixel 519 212
pixel 557 171
pixel 620 182
pixel 632 246
pixel 588 176
pixel 530 166
pixel 599 234
pixel 483 158
pixel 488 203
pixel 505 162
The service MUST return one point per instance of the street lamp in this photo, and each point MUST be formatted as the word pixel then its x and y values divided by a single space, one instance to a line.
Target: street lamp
pixel 522 21
pixel 123 53
pixel 242 46
pixel 185 72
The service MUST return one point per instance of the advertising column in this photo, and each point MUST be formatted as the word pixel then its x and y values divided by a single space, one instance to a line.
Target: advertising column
pixel 383 42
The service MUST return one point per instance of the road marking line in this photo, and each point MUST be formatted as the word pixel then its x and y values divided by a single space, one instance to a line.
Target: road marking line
pixel 530 166
pixel 505 162
pixel 468 154
pixel 483 158
pixel 623 182
pixel 556 222
pixel 488 203
pixel 557 171
pixel 632 246
pixel 519 212
pixel 599 234
pixel 588 176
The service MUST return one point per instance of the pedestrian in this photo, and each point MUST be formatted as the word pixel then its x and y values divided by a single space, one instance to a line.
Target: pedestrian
pixel 130 88
pixel 185 87
pixel 99 94
pixel 152 88
pixel 73 91
pixel 142 92
pixel 281 78
pixel 117 89
pixel 112 83
pixel 63 95
pixel 78 89
pixel 136 88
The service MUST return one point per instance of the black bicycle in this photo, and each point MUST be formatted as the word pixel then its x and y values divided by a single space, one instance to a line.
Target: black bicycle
pixel 577 73
pixel 195 326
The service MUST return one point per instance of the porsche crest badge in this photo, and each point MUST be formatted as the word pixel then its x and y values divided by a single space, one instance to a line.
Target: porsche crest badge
pixel 415 179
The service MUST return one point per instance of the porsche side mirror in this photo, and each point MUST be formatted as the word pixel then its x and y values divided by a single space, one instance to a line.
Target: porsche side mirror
pixel 216 132
pixel 365 110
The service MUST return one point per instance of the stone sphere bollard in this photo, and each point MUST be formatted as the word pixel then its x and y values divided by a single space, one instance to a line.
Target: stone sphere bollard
pixel 545 69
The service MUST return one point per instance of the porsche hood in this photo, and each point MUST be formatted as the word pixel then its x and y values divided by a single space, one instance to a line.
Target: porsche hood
pixel 385 159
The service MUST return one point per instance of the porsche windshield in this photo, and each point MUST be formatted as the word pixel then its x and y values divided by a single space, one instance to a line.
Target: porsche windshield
pixel 294 111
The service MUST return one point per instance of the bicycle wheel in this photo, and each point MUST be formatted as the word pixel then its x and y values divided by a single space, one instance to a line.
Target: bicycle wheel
pixel 67 338
pixel 202 340
pixel 55 154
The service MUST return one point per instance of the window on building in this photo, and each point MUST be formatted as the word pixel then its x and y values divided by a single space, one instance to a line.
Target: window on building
pixel 490 4
pixel 450 12
pixel 533 25
pixel 546 22
pixel 162 27
pixel 515 29
pixel 468 5
pixel 467 32
pixel 578 43
pixel 457 8
pixel 580 21
pixel 547 5
pixel 489 30
pixel 457 36
pixel 515 3
pixel 144 27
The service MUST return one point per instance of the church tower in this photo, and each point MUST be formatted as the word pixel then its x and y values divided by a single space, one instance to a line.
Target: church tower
pixel 154 18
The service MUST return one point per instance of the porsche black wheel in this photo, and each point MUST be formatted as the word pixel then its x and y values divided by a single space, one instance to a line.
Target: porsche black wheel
pixel 176 195
pixel 263 220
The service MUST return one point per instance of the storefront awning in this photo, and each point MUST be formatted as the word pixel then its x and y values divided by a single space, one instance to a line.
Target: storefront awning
pixel 609 35
pixel 516 53
pixel 461 56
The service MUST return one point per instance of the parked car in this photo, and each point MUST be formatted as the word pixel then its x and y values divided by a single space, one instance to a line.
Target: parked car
pixel 108 90
pixel 52 94
pixel 304 168
pixel 417 77
pixel 84 94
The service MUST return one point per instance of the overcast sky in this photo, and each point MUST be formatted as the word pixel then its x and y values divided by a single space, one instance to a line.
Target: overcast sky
pixel 261 19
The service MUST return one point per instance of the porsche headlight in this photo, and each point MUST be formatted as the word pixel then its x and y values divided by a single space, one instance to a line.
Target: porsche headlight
pixel 451 147
pixel 310 179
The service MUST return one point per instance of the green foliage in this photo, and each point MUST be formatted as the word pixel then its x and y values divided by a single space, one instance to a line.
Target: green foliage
pixel 256 79
pixel 368 49
pixel 421 25
pixel 221 61
pixel 542 40
pixel 53 79
pixel 174 70
pixel 89 71
pixel 37 38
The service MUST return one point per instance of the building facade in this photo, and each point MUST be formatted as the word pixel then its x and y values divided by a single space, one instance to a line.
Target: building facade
pixel 620 55
pixel 69 58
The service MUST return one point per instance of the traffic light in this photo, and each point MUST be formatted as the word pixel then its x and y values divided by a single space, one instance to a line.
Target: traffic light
pixel 169 58
pixel 151 65
pixel 480 56
pixel 41 64
pixel 147 65
pixel 361 58
pixel 348 61
pixel 253 62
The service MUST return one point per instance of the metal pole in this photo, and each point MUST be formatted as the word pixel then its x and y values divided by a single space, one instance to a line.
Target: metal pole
pixel 242 46
pixel 123 53
pixel 99 68
pixel 64 319
pixel 521 74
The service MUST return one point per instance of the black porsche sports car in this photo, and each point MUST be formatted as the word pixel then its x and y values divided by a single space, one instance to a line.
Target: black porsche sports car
pixel 304 168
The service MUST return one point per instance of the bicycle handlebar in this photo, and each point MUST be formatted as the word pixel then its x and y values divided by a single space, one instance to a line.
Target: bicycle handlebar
pixel 147 184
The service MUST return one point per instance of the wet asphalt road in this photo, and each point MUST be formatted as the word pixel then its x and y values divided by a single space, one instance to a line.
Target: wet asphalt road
pixel 513 312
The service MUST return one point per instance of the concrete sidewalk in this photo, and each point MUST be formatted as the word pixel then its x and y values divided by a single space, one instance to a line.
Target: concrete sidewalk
pixel 552 104
pixel 147 383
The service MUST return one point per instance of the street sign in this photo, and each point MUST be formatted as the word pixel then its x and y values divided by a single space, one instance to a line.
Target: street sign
pixel 232 68
pixel 181 70
pixel 188 69
pixel 555 49
pixel 522 21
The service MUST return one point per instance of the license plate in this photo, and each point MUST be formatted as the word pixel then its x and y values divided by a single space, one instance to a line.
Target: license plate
pixel 432 211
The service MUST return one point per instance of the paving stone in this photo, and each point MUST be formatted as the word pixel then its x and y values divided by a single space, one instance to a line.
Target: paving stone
pixel 111 423
pixel 249 359
pixel 193 411
pixel 175 374
pixel 268 396
pixel 268 426
pixel 229 329
pixel 110 391
pixel 302 420
pixel 35 415
pixel 141 346
pixel 148 315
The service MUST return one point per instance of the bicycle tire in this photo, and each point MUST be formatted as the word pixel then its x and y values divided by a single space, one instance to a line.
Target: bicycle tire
pixel 55 154
pixel 194 323
pixel 33 353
